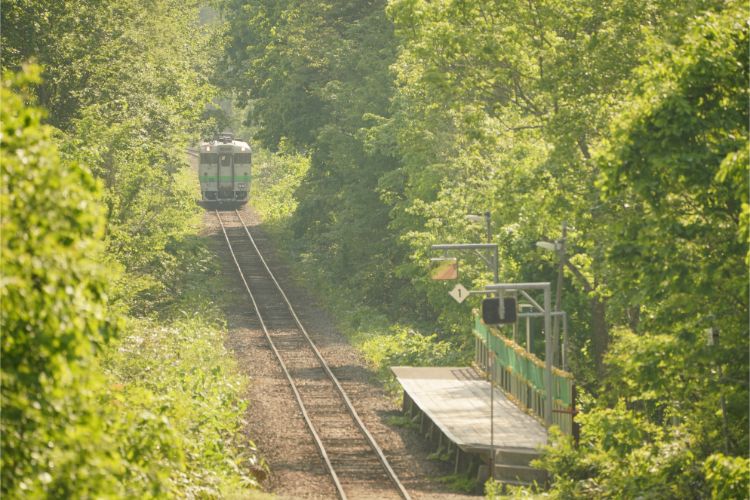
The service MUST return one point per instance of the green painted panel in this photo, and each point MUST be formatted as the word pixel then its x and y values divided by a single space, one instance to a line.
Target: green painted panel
pixel 527 366
pixel 225 178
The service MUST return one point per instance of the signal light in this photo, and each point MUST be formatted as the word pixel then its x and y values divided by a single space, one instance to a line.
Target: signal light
pixel 492 313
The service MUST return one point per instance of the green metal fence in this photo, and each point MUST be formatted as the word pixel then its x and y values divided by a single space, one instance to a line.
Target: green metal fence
pixel 520 375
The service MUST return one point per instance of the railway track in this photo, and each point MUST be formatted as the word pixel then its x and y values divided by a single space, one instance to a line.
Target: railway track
pixel 356 464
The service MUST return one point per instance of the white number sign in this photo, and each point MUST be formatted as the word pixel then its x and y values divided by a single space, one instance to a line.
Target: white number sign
pixel 459 293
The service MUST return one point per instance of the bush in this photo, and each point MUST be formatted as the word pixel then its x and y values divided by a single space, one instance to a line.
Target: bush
pixel 402 346
pixel 623 456
pixel 178 389
pixel 54 312
pixel 727 477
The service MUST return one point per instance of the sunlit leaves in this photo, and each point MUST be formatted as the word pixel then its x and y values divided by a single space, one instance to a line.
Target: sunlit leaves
pixel 672 173
pixel 125 86
pixel 54 315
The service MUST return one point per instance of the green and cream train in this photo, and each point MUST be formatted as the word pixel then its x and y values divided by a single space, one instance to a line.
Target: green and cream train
pixel 224 171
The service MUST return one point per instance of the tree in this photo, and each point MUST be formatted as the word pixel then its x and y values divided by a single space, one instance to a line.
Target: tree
pixel 54 310
pixel 675 171
pixel 508 99
pixel 126 86
pixel 673 420
pixel 316 74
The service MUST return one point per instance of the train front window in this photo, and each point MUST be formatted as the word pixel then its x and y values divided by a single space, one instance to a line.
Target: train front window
pixel 209 158
pixel 242 158
pixel 226 160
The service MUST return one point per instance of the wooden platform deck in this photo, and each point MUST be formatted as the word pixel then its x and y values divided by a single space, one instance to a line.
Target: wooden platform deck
pixel 457 401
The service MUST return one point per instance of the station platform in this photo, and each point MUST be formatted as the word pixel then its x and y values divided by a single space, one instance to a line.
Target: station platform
pixel 452 405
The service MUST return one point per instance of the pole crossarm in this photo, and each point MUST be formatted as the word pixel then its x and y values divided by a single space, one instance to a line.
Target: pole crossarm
pixel 545 285
pixel 485 259
pixel 533 302
pixel 559 314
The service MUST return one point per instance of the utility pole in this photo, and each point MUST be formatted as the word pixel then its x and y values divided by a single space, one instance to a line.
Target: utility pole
pixel 558 289
pixel 494 262
pixel 488 221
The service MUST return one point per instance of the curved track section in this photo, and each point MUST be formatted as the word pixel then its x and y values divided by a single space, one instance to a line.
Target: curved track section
pixel 357 465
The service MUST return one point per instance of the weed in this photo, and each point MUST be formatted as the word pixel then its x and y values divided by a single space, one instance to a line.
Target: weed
pixel 402 421
pixel 459 483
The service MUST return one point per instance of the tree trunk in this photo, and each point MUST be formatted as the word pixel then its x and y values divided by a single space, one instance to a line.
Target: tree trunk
pixel 634 317
pixel 599 327
pixel 599 333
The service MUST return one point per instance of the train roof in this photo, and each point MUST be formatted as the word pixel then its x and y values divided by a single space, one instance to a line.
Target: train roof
pixel 240 145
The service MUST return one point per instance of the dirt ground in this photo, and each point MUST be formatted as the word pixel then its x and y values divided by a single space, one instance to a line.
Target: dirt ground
pixel 274 421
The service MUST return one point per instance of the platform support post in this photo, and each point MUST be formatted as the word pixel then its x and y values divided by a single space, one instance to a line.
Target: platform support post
pixel 492 412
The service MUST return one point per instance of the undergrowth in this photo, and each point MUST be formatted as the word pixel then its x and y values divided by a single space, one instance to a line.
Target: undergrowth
pixel 401 421
pixel 115 380
pixel 175 386
pixel 459 482
pixel 176 391
pixel 496 489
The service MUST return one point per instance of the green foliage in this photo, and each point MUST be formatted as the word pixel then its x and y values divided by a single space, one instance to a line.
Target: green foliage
pixel 459 483
pixel 499 106
pixel 621 455
pixel 178 387
pixel 666 178
pixel 666 175
pixel 626 119
pixel 276 177
pixel 126 85
pixel 727 477
pixel 315 73
pixel 401 421
pixel 676 169
pixel 54 313
pixel 493 489
pixel 497 489
pixel 401 346
pixel 155 414
pixel 440 455
pixel 134 134
pixel 119 56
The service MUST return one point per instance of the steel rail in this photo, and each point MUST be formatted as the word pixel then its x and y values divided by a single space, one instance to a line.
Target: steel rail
pixel 298 397
pixel 349 406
